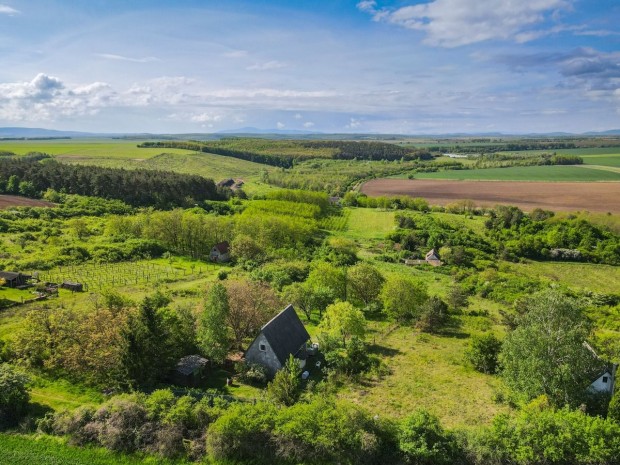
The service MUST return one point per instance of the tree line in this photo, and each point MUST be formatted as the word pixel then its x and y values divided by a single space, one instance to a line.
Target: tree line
pixel 160 189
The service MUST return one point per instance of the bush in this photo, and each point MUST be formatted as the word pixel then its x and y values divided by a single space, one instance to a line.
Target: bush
pixel 482 353
pixel 14 395
pixel 422 440
pixel 252 373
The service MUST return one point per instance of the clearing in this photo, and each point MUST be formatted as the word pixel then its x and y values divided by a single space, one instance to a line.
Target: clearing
pixel 8 201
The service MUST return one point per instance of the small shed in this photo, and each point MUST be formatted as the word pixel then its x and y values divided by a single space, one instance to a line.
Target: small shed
pixel 72 286
pixel 190 371
pixel 226 183
pixel 282 336
pixel 220 252
pixel 14 279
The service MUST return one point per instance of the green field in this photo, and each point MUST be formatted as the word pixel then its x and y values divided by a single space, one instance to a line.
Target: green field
pixel 48 450
pixel 526 173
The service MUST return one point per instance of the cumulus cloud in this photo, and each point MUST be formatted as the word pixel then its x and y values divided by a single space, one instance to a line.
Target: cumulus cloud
pixel 308 124
pixel 47 98
pixel 111 56
pixel 7 10
pixel 280 125
pixel 354 123
pixel 453 23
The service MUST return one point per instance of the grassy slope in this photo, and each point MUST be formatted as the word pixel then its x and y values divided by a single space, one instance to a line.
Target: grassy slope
pixel 47 450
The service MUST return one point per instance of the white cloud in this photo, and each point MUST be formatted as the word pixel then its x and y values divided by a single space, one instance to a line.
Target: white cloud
pixel 280 125
pixel 266 66
pixel 236 54
pixel 7 10
pixel 354 123
pixel 453 23
pixel 205 118
pixel 308 124
pixel 298 116
pixel 111 56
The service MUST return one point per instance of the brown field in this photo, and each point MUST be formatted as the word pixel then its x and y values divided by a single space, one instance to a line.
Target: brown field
pixel 8 201
pixel 558 196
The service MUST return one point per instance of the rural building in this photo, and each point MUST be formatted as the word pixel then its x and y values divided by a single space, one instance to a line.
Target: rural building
pixel 226 183
pixel 220 252
pixel 431 258
pixel 605 380
pixel 14 279
pixel 71 286
pixel 281 337
pixel 190 371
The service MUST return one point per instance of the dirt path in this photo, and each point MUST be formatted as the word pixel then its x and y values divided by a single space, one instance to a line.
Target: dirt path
pixel 559 196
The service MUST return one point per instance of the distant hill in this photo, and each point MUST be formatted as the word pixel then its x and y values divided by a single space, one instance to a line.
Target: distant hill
pixel 251 130
pixel 30 133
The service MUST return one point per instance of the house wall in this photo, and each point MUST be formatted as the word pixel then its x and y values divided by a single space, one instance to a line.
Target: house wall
pixel 266 358
pixel 600 386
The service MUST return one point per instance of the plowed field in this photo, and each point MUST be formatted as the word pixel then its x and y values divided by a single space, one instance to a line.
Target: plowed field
pixel 559 196
pixel 7 201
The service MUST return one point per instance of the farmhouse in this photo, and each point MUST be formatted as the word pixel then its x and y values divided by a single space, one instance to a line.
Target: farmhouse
pixel 281 337
pixel 605 382
pixel 431 258
pixel 220 252
pixel 189 371
pixel 14 279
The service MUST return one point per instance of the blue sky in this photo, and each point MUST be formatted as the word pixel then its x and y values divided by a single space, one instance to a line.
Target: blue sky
pixel 411 67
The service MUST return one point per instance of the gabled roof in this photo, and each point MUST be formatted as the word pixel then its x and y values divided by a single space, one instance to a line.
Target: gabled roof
pixel 222 247
pixel 285 333
pixel 432 255
pixel 187 365
pixel 10 275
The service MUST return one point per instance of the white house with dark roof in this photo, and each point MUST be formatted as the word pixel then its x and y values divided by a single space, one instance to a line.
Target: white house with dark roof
pixel 282 336
pixel 220 252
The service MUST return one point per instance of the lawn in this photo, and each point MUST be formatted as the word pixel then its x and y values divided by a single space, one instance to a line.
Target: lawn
pixel 526 173
pixel 366 223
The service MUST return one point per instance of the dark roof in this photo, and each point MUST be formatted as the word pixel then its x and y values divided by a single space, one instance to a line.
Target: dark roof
pixel 432 255
pixel 187 365
pixel 226 182
pixel 285 333
pixel 10 275
pixel 222 247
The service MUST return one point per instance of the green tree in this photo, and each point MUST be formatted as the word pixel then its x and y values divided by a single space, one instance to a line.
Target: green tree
pixel 327 276
pixel 403 298
pixel 212 334
pixel 545 354
pixel 14 395
pixel 342 320
pixel 285 388
pixel 613 412
pixel 433 315
pixel 483 351
pixel 365 283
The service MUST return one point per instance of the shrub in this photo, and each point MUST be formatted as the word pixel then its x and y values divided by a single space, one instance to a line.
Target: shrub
pixel 422 440
pixel 482 353
pixel 252 373
pixel 14 395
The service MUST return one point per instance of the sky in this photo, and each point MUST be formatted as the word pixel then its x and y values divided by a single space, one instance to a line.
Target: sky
pixel 333 66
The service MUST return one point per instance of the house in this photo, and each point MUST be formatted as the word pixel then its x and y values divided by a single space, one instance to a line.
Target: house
pixel 282 336
pixel 226 183
pixel 605 382
pixel 432 258
pixel 189 371
pixel 220 252
pixel 14 279
pixel 605 379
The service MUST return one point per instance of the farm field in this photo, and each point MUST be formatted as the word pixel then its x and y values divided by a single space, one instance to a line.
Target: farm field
pixel 581 173
pixel 602 197
pixel 8 201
